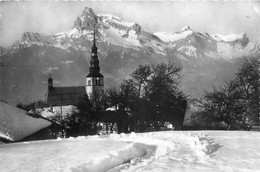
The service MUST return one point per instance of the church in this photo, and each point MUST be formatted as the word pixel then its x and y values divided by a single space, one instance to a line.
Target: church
pixel 62 96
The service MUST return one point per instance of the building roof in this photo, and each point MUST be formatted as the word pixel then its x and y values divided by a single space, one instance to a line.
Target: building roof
pixel 95 75
pixel 61 96
pixel 15 124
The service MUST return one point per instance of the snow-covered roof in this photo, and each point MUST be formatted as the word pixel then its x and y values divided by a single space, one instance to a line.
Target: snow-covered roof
pixel 15 124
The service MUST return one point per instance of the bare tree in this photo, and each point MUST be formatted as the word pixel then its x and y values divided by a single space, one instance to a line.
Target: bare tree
pixel 237 103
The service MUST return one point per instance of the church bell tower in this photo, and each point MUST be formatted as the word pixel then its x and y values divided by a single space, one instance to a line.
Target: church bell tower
pixel 94 80
pixel 50 83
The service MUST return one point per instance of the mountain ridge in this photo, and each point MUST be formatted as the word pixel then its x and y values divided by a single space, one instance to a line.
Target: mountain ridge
pixel 114 30
pixel 122 47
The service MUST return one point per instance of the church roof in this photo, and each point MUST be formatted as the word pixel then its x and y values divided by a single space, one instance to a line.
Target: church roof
pixel 95 75
pixel 58 96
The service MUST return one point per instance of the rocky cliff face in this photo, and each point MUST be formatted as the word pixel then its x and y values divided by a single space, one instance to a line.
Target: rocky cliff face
pixel 207 60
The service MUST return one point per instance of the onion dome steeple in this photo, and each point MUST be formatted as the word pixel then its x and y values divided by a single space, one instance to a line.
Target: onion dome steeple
pixel 94 68
pixel 94 80
pixel 94 47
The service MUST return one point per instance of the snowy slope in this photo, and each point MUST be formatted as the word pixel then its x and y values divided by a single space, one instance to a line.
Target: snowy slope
pixel 231 38
pixel 15 124
pixel 192 44
pixel 118 32
pixel 191 151
pixel 172 37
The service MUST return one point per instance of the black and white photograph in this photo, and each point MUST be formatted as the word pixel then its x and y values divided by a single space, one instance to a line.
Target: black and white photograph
pixel 129 86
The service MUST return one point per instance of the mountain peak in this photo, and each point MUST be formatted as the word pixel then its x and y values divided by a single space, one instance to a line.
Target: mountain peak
pixel 87 20
pixel 89 12
pixel 185 28
pixel 233 38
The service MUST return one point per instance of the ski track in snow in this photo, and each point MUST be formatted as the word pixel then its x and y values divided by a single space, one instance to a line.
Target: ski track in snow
pixel 155 151
pixel 172 149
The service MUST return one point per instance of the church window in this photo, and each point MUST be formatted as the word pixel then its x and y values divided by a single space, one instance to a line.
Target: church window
pixel 98 81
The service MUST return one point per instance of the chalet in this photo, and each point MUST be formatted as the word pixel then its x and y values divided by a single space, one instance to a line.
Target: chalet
pixel 62 96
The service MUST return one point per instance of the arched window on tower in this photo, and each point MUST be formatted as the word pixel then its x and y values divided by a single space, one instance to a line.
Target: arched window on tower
pixel 89 82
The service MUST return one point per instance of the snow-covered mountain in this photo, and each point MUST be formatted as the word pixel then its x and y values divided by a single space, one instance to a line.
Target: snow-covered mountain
pixel 186 43
pixel 207 59
pixel 111 30
pixel 205 47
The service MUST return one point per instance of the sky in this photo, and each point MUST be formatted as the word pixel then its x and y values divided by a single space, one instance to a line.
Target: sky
pixel 50 17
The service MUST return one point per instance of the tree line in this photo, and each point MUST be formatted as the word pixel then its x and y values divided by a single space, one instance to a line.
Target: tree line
pixel 152 96
pixel 145 102
pixel 236 104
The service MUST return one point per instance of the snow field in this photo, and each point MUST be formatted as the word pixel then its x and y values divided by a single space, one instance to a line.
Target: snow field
pixel 114 36
pixel 180 147
pixel 109 17
pixel 130 152
pixel 229 38
pixel 192 151
pixel 73 154
pixel 196 151
pixel 172 37
pixel 236 151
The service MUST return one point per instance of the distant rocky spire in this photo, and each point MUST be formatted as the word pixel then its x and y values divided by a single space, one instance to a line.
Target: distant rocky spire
pixel 87 20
